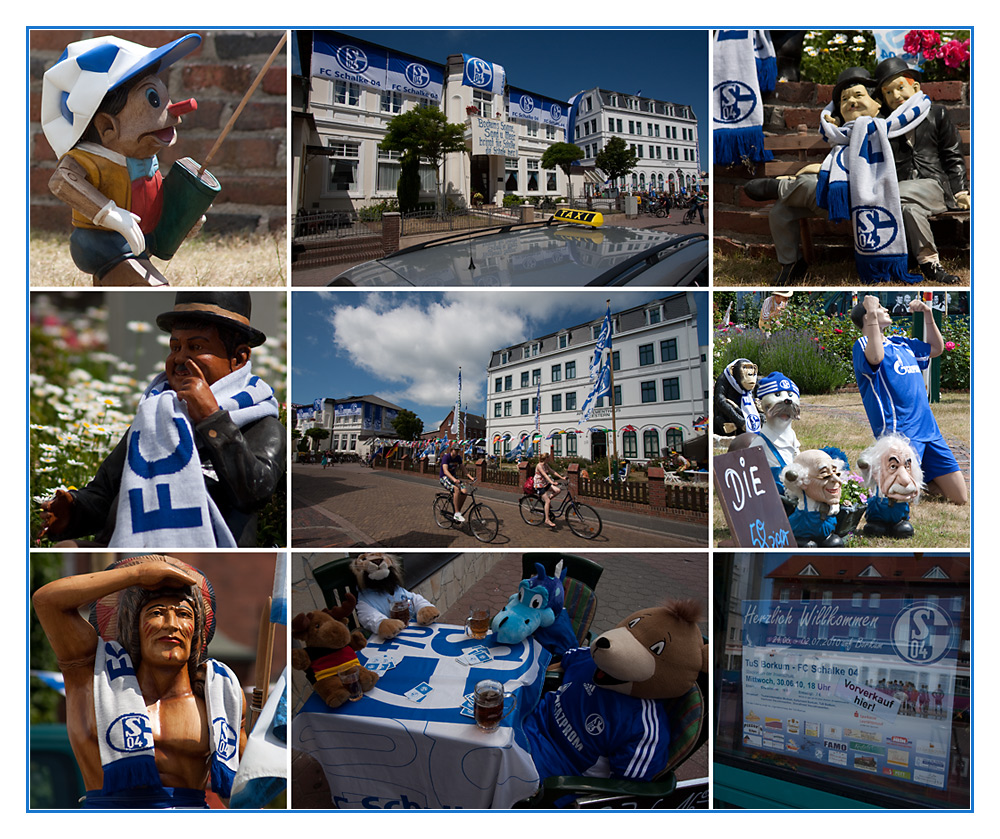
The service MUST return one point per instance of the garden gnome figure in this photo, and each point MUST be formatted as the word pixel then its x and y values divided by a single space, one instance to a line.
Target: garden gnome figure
pixel 106 112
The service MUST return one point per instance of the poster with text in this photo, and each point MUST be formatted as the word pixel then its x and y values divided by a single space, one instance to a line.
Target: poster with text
pixel 865 684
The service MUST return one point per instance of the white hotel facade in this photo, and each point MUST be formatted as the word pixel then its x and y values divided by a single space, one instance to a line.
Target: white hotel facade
pixel 340 117
pixel 660 385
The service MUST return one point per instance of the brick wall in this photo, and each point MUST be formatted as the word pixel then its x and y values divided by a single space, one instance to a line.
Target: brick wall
pixel 741 222
pixel 250 165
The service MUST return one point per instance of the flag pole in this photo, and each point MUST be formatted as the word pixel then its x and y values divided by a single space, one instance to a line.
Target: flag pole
pixel 614 421
pixel 262 670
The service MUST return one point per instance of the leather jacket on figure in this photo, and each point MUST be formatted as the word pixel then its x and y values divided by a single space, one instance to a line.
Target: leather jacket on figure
pixel 242 469
pixel 933 150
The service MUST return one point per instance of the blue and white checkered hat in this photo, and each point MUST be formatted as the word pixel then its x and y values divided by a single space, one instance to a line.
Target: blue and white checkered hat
pixel 73 87
pixel 776 383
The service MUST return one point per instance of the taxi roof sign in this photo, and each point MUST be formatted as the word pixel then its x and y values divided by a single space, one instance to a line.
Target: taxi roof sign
pixel 588 217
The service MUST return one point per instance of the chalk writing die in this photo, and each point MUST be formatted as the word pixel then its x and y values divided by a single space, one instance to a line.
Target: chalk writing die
pixel 750 500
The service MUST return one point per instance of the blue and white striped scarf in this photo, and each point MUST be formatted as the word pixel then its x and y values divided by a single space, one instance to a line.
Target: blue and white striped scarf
pixel 125 732
pixel 857 181
pixel 743 67
pixel 163 501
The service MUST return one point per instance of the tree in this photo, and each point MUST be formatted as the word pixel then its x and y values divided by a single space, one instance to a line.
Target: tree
pixel 408 425
pixel 563 155
pixel 616 159
pixel 408 188
pixel 317 434
pixel 424 132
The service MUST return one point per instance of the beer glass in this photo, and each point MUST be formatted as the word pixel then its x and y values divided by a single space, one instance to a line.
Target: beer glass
pixel 488 704
pixel 478 622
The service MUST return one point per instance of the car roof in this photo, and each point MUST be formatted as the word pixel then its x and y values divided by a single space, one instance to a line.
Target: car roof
pixel 542 254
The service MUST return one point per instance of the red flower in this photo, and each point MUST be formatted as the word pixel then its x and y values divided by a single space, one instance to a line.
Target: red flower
pixel 955 53
pixel 949 345
pixel 921 40
pixel 838 331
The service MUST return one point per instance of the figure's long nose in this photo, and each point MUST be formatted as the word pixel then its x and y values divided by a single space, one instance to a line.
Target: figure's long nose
pixel 178 109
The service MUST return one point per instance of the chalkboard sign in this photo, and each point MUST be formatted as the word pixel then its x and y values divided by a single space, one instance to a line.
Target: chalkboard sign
pixel 750 500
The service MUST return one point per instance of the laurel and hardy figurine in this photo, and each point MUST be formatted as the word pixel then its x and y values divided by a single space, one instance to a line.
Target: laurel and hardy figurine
pixel 107 113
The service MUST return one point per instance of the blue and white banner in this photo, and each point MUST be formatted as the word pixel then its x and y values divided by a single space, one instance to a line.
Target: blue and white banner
pixel 524 105
pixel 602 387
pixel 366 422
pixel 889 44
pixel 482 74
pixel 341 58
pixel 603 343
pixel 348 409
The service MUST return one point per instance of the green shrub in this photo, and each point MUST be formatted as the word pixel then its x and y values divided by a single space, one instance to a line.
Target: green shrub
pixel 826 53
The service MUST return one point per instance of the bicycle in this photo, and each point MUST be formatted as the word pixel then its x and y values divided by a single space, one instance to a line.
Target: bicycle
pixel 582 519
pixel 483 522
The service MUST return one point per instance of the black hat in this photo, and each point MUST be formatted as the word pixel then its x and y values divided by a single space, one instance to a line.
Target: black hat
pixel 893 67
pixel 848 78
pixel 219 308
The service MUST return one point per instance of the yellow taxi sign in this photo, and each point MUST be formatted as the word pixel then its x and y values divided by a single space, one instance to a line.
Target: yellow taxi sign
pixel 588 217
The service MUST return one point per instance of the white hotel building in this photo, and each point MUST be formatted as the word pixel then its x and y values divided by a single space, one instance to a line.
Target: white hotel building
pixel 660 385
pixel 339 117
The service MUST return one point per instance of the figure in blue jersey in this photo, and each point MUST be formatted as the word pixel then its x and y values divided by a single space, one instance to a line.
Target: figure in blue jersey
pixel 609 718
pixel 889 371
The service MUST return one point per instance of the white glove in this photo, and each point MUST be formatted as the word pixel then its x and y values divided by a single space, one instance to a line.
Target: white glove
pixel 964 200
pixel 121 221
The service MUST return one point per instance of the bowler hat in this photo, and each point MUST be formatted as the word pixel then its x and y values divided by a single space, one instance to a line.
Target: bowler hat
pixel 219 308
pixel 892 67
pixel 848 78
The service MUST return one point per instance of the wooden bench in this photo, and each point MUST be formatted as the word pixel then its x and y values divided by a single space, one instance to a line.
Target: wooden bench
pixel 805 146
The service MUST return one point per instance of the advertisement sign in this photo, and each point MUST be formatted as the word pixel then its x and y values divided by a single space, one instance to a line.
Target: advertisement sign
pixel 490 136
pixel 347 409
pixel 867 685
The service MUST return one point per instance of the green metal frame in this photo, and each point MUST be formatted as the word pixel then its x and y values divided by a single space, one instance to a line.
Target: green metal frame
pixel 748 789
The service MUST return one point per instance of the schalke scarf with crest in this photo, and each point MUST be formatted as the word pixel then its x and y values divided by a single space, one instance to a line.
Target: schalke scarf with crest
pixel 163 500
pixel 857 181
pixel 125 733
pixel 743 67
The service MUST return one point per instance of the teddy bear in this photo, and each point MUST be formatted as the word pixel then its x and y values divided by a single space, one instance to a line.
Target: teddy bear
pixel 891 471
pixel 330 648
pixel 735 409
pixel 380 584
pixel 608 717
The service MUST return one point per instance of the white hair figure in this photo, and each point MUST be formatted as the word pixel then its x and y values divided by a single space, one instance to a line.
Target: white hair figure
pixel 891 467
pixel 814 476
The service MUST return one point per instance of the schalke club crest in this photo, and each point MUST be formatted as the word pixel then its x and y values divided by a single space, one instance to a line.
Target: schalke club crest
pixel 874 228
pixel 737 101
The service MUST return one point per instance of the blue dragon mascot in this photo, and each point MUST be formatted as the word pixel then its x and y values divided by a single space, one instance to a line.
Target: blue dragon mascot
pixel 537 610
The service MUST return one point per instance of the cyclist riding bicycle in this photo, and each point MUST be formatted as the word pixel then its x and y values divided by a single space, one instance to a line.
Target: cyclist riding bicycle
pixel 545 484
pixel 451 464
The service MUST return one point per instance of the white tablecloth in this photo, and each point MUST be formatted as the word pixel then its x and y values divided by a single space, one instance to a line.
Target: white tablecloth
pixel 387 752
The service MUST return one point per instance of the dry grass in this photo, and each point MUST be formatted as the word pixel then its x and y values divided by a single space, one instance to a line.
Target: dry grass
pixel 839 420
pixel 257 260
pixel 745 270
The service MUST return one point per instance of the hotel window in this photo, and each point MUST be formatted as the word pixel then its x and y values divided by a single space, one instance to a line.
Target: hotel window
pixel 510 164
pixel 524 406
pixel 653 315
pixel 651 444
pixel 550 180
pixel 550 132
pixel 556 402
pixel 570 369
pixel 507 408
pixel 524 378
pixel 618 395
pixel 571 400
pixel 648 391
pixel 557 372
pixel 646 355
pixel 533 172
pixel 671 390
pixel 668 350
pixel 497 408
pixel 615 361
pixel 344 159
pixel 531 128
pixel 484 101
pixel 557 445
pixel 674 439
pixel 570 445
pixel 390 102
pixel 508 382
pixel 497 384
pixel 630 445
pixel 346 93
pixel 536 376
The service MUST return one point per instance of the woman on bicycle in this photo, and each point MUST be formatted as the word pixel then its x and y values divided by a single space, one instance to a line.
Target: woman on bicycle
pixel 451 466
pixel 545 483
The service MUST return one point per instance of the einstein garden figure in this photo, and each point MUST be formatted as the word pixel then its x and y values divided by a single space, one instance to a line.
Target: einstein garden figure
pixel 107 113
pixel 893 476
pixel 813 483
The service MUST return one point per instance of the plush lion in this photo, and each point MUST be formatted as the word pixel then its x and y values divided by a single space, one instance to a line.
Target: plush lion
pixel 331 648
pixel 608 717
pixel 380 584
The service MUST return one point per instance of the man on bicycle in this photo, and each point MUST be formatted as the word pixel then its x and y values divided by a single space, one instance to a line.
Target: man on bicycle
pixel 451 465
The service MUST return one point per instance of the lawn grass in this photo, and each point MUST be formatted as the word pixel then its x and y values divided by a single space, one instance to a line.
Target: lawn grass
pixel 256 260
pixel 735 269
pixel 839 420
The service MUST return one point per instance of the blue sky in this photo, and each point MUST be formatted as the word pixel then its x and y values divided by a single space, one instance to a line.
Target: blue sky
pixel 666 64
pixel 406 347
